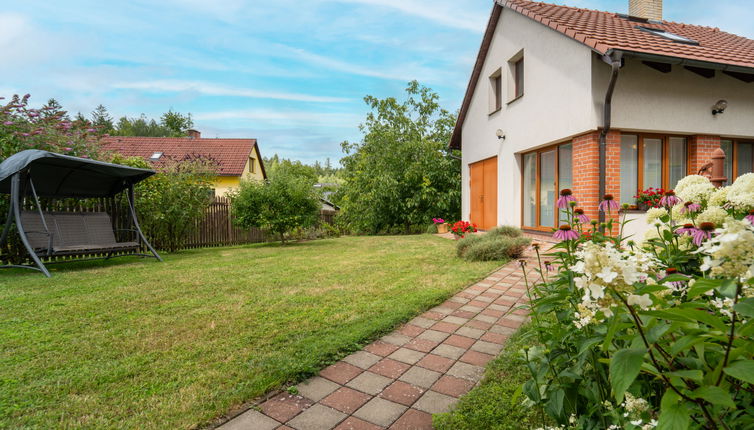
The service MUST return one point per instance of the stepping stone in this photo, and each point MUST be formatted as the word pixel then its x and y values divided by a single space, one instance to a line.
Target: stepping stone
pixel 380 411
pixel 250 419
pixel 316 388
pixel 317 417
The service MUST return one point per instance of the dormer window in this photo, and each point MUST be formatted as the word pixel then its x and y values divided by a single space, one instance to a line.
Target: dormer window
pixel 668 35
pixel 155 156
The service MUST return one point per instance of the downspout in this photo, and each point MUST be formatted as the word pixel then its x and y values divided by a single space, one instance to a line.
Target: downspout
pixel 615 61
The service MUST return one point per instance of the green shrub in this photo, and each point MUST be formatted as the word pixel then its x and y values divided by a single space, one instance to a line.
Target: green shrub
pixel 491 248
pixel 463 244
pixel 506 231
pixel 432 229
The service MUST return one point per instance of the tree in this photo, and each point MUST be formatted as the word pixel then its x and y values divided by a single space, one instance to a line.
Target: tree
pixel 176 122
pixel 402 173
pixel 279 204
pixel 172 124
pixel 102 120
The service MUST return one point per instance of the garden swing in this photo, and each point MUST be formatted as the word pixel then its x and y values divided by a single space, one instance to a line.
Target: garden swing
pixel 44 234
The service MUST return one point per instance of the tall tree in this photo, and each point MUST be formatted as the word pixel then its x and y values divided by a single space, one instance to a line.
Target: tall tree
pixel 171 124
pixel 401 173
pixel 102 120
pixel 176 122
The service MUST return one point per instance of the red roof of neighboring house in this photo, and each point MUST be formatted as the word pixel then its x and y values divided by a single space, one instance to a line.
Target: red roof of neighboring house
pixel 603 31
pixel 231 155
pixel 606 32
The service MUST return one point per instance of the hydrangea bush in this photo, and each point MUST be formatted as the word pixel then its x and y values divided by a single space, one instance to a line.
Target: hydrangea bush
pixel 650 332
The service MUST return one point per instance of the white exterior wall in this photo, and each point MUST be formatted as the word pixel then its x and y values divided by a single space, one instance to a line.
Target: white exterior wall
pixel 676 102
pixel 557 104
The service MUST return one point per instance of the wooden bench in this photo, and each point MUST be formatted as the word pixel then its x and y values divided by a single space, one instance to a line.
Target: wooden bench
pixel 73 233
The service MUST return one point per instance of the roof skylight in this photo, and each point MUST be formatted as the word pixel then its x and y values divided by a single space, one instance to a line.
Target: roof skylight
pixel 156 156
pixel 668 35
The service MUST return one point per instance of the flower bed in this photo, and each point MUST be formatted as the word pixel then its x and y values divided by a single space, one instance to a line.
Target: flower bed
pixel 650 332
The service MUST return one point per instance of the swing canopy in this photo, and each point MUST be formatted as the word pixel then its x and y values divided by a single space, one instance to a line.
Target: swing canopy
pixel 60 176
pixel 47 234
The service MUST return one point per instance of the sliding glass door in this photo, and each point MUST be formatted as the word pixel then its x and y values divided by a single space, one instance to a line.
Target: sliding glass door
pixel 545 173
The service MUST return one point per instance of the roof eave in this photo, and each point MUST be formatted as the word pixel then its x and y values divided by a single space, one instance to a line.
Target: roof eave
pixel 682 61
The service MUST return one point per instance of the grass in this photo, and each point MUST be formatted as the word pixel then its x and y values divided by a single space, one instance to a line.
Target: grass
pixel 138 344
pixel 495 404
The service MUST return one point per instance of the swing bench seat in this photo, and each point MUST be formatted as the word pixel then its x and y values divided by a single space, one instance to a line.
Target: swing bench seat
pixel 73 233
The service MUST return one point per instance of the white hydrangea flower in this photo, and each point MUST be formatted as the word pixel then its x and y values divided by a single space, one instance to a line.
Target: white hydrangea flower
pixel 719 197
pixel 696 192
pixel 643 301
pixel 653 214
pixel 715 215
pixel 690 181
pixel 741 193
pixel 730 252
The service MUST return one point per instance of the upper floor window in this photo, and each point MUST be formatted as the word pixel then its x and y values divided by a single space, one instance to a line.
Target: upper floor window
pixel 496 91
pixel 650 161
pixel 516 76
pixel 251 165
pixel 519 77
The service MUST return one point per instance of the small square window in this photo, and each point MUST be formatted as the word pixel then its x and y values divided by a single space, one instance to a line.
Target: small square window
pixel 155 156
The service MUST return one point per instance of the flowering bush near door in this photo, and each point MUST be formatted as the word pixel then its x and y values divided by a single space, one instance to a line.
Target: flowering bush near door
pixel 651 332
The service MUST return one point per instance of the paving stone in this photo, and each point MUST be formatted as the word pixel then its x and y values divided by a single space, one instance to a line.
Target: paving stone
pixel 406 355
pixel 478 304
pixel 487 347
pixel 507 322
pixel 449 351
pixel 486 318
pixel 422 345
pixel 420 377
pixel 380 411
pixel 458 299
pixel 285 428
pixel 435 403
pixel 435 362
pixel 470 308
pixel 250 420
pixel 340 372
pixel 507 331
pixel 318 417
pixel 442 310
pixel 353 423
pixel 422 322
pixel 381 348
pixel 493 313
pixel 410 330
pixel 459 341
pixel 451 304
pixel 433 335
pixel 476 358
pixel 362 359
pixel 466 371
pixel 346 400
pixel 483 298
pixel 494 338
pixel 452 386
pixel 413 419
pixel 446 327
pixel 370 383
pixel 316 388
pixel 395 339
pixel 464 314
pixel 284 406
pixel 519 318
pixel 478 325
pixel 455 320
pixel 402 392
pixel 433 315
pixel 389 368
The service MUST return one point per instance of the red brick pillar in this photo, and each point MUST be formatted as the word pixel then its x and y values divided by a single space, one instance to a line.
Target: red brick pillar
pixel 700 151
pixel 586 162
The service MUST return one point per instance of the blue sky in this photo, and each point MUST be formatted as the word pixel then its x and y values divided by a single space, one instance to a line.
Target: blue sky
pixel 290 73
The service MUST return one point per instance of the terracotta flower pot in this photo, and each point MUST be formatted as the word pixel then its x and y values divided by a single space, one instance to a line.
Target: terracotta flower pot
pixel 442 228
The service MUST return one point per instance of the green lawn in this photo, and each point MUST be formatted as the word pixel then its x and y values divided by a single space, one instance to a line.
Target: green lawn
pixel 134 343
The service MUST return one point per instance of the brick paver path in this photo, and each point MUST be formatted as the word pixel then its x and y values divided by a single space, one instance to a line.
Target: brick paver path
pixel 400 380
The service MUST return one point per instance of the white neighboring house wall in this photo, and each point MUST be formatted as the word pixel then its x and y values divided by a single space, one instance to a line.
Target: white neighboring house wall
pixel 676 102
pixel 557 104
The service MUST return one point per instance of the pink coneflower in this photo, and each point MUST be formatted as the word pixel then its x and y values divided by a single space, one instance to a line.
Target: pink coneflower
pixel 703 232
pixel 566 196
pixel 548 266
pixel 686 229
pixel 608 203
pixel 565 233
pixel 580 216
pixel 8 123
pixel 691 208
pixel 750 217
pixel 669 199
pixel 676 285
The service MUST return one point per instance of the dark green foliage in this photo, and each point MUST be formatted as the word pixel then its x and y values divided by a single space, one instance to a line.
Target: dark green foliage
pixel 401 173
pixel 171 124
pixel 279 204
pixel 489 247
pixel 101 120
pixel 495 403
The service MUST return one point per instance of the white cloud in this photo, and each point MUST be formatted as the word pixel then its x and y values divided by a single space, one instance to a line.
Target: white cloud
pixel 210 89
pixel 297 118
pixel 454 14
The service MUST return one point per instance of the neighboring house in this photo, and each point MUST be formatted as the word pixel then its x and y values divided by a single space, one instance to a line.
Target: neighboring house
pixel 538 114
pixel 236 159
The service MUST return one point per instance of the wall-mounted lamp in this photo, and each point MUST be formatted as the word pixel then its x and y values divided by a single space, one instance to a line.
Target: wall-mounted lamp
pixel 719 107
pixel 500 134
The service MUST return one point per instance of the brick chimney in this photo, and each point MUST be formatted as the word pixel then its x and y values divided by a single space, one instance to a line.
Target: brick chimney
pixel 194 134
pixel 648 9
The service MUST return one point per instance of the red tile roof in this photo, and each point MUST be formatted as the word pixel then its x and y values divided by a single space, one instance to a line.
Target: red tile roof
pixel 231 155
pixel 603 31
pixel 606 32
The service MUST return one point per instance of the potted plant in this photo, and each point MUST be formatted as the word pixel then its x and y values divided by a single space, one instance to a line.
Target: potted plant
pixel 649 198
pixel 460 228
pixel 442 227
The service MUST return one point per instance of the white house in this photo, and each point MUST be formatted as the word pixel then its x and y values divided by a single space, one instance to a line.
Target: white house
pixel 555 89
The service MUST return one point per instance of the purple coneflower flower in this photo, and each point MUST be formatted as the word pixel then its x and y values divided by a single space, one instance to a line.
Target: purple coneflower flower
pixel 580 216
pixel 91 130
pixel 750 217
pixel 676 285
pixel 690 208
pixel 8 123
pixel 566 196
pixel 548 266
pixel 703 232
pixel 669 199
pixel 686 229
pixel 565 233
pixel 608 203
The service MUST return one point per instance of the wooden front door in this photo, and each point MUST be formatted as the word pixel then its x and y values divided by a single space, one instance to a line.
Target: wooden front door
pixel 483 186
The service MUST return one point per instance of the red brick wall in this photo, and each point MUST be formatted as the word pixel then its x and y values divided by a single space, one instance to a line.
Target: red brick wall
pixel 586 170
pixel 700 150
